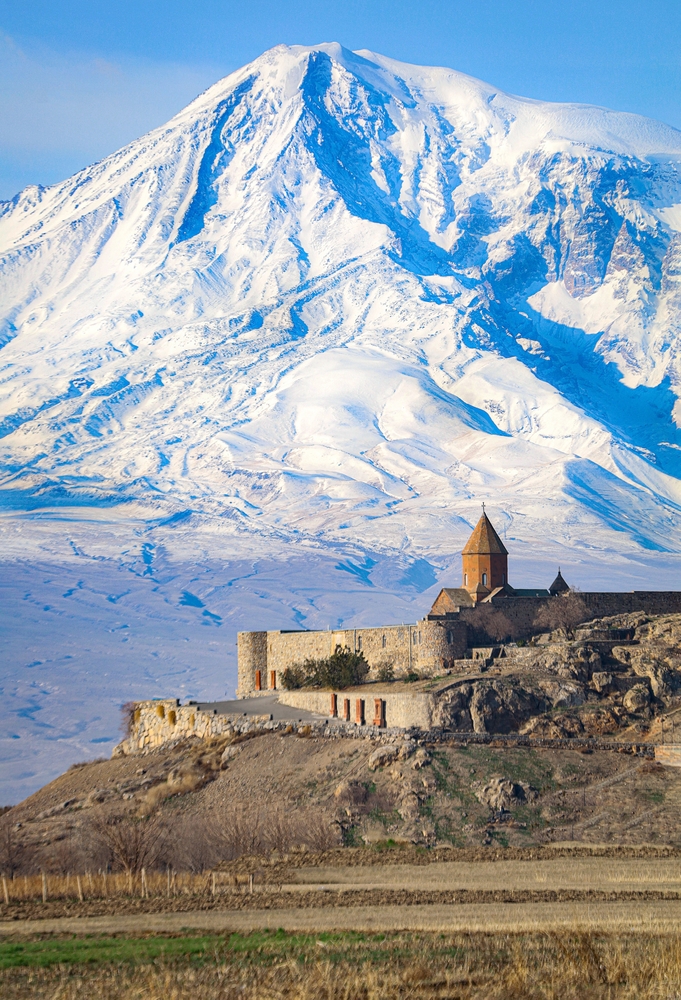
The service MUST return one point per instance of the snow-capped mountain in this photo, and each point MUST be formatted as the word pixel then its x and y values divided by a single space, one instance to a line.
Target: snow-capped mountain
pixel 340 300
pixel 340 287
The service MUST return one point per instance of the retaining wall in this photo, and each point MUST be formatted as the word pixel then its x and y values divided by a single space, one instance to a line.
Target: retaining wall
pixel 401 709
pixel 157 722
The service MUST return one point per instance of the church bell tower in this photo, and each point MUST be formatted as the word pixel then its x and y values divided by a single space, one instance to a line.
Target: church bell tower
pixel 485 560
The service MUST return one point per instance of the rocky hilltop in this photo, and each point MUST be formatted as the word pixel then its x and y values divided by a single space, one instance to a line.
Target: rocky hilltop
pixel 618 675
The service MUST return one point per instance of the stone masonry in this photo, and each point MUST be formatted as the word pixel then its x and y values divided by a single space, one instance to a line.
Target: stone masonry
pixel 422 647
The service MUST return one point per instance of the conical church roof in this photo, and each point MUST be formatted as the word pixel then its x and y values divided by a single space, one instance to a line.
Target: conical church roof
pixel 559 586
pixel 484 541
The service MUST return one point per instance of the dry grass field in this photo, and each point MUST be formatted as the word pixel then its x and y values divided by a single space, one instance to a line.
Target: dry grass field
pixel 275 965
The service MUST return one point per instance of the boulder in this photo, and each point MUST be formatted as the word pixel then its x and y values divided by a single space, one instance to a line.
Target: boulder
pixel 391 752
pixel 663 681
pixel 503 706
pixel 637 698
pixel 601 681
pixel 452 710
pixel 229 753
pixel 558 727
pixel 504 794
pixel 564 694
pixel 421 758
pixel 408 806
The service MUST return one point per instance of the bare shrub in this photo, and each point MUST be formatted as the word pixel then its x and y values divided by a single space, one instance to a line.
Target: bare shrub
pixel 11 854
pixel 493 623
pixel 320 833
pixel 129 717
pixel 64 856
pixel 198 843
pixel 194 844
pixel 386 672
pixel 564 612
pixel 132 844
pixel 281 830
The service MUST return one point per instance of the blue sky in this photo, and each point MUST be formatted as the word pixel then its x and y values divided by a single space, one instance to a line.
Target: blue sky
pixel 79 78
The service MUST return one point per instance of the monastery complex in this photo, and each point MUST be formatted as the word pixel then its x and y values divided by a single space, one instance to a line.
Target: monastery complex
pixel 474 663
pixel 463 621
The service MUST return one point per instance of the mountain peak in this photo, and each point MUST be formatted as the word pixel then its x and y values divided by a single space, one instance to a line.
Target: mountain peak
pixel 343 292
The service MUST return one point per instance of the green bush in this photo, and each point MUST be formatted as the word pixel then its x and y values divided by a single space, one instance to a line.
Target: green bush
pixel 340 670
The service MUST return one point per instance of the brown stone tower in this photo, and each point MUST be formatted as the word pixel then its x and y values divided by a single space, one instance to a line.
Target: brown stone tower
pixel 485 560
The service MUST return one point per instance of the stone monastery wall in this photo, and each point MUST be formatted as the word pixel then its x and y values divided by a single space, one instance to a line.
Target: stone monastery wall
pixel 422 647
pixel 521 612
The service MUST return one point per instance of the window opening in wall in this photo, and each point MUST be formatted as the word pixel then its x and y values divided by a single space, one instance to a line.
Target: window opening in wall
pixel 465 579
pixel 449 638
pixel 419 638
pixel 383 642
pixel 359 642
pixel 503 578
pixel 484 579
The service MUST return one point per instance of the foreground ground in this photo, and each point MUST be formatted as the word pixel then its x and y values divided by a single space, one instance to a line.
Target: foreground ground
pixel 353 965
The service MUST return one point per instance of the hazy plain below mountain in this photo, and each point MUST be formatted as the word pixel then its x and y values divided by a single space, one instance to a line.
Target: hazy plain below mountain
pixel 259 368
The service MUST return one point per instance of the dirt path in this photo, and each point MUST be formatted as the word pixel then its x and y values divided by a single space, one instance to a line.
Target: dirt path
pixel 656 917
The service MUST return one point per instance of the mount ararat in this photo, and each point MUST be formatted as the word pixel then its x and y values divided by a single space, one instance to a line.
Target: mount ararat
pixel 259 368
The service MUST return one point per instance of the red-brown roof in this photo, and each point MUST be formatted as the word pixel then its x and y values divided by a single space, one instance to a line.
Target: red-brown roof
pixel 484 541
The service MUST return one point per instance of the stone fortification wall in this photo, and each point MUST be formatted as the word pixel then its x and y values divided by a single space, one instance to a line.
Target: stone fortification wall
pixel 158 723
pixel 651 602
pixel 424 647
pixel 400 709
pixel 429 646
pixel 154 723
pixel 522 612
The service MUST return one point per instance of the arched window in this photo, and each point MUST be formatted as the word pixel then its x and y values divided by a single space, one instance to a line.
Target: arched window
pixel 465 579
pixel 383 642
pixel 359 642
pixel 484 579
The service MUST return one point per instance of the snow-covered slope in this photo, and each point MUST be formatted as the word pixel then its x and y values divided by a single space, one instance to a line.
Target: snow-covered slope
pixel 338 301
pixel 338 284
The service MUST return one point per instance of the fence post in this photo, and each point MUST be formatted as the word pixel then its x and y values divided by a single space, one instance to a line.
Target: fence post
pixel 44 887
pixel 80 888
pixel 250 884
pixel 213 884
pixel 5 890
pixel 168 877
pixel 143 886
